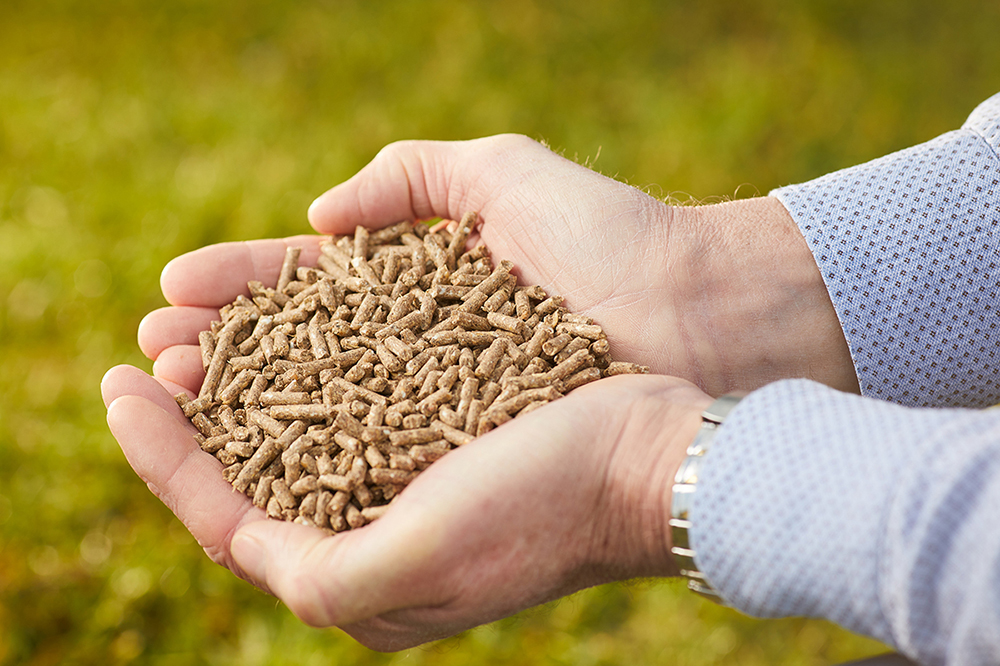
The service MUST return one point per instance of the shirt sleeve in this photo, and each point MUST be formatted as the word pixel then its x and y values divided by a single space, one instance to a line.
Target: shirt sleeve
pixel 909 249
pixel 881 518
pixel 884 518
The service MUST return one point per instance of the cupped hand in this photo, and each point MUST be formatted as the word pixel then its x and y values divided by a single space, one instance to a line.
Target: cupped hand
pixel 575 494
pixel 727 296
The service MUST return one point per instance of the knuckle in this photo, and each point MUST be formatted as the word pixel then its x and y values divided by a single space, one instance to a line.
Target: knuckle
pixel 513 141
pixel 399 149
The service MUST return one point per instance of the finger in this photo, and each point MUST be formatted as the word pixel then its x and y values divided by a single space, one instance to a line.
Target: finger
pixel 124 380
pixel 174 389
pixel 181 365
pixel 189 481
pixel 173 326
pixel 412 180
pixel 215 275
pixel 343 579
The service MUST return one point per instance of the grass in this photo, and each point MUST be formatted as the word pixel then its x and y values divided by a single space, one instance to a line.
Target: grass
pixel 131 132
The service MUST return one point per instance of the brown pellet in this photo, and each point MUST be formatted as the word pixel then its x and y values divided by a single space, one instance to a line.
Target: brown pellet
pixel 582 377
pixel 392 362
pixel 476 408
pixel 192 407
pixel 242 449
pixel 362 495
pixel 600 347
pixel 231 392
pixel 366 272
pixel 515 404
pixel 470 387
pixel 532 406
pixel 571 365
pixel 223 350
pixel 549 305
pixel 411 437
pixel 309 412
pixel 206 343
pixel 376 414
pixel 214 444
pixel 262 328
pixel 497 278
pixel 262 493
pixel 375 457
pixel 453 435
pixel 335 482
pixel 399 348
pixel 391 477
pixel 451 417
pixel 320 516
pixel 591 331
pixel 489 393
pixel 288 266
pixel 473 300
pixel 268 398
pixel 283 494
pixel 349 443
pixel 428 453
pixel 434 401
pixel 556 344
pixel 354 517
pixel 490 357
pixel 414 421
pixel 304 485
pixel 456 247
pixel 501 295
pixel 373 513
pixel 203 424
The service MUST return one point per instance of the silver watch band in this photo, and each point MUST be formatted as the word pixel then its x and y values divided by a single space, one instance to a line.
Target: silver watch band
pixel 685 483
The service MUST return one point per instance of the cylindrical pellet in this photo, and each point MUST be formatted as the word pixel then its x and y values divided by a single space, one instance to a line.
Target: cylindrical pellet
pixel 488 359
pixel 288 266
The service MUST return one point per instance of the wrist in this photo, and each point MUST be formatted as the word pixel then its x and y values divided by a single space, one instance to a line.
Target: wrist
pixel 751 294
pixel 633 536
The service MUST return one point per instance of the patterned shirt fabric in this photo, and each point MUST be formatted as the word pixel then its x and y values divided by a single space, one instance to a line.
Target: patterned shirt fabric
pixel 882 517
pixel 909 249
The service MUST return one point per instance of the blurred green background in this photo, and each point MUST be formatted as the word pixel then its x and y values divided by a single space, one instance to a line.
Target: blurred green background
pixel 131 132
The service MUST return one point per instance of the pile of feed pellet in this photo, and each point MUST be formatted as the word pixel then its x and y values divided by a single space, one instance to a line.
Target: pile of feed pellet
pixel 327 394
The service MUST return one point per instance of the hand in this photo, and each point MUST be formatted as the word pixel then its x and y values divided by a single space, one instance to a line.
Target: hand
pixel 572 495
pixel 727 296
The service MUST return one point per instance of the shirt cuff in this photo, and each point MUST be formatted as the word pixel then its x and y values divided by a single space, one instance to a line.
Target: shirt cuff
pixel 909 249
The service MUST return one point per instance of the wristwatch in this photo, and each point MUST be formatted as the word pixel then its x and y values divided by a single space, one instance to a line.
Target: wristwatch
pixel 685 483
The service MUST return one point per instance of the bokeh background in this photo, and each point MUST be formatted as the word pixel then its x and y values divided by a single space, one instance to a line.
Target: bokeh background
pixel 131 132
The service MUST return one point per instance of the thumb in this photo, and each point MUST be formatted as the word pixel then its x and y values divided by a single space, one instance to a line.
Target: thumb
pixel 340 579
pixel 415 180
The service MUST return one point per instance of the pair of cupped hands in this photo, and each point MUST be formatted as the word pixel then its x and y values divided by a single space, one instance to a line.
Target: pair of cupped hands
pixel 711 298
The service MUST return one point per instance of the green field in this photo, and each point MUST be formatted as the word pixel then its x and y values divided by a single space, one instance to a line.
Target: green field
pixel 131 132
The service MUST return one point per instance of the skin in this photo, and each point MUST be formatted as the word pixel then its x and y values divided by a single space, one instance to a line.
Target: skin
pixel 574 494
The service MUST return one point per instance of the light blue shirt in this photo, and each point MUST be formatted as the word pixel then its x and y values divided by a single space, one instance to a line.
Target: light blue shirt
pixel 882 517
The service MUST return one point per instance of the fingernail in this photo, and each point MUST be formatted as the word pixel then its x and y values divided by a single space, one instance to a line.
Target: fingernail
pixel 313 206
